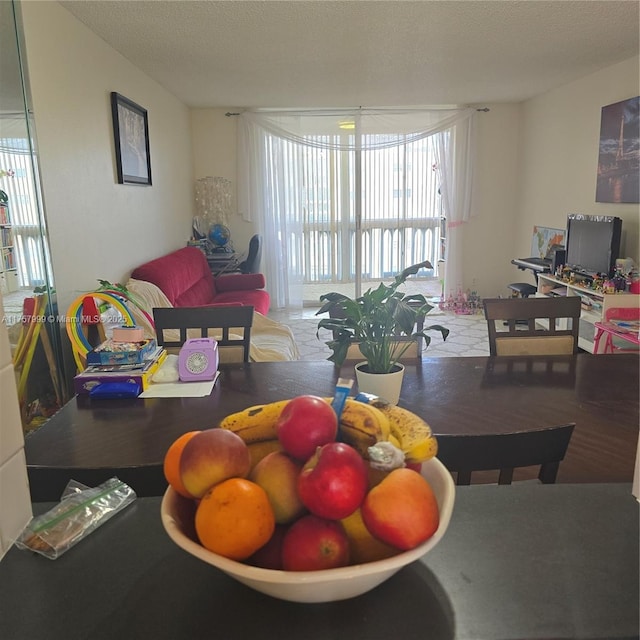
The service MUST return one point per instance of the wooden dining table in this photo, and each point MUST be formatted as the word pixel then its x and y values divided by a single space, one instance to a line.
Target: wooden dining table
pixel 90 440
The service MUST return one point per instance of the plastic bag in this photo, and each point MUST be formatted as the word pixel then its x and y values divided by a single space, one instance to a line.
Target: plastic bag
pixel 81 510
pixel 168 371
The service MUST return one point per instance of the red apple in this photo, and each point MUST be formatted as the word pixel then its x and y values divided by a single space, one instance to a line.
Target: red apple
pixel 270 555
pixel 334 481
pixel 306 423
pixel 313 543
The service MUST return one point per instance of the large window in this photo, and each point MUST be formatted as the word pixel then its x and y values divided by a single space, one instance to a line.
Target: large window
pixel 397 220
pixel 400 209
pixel 353 203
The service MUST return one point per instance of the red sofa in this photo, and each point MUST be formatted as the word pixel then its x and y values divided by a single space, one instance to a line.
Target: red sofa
pixel 185 278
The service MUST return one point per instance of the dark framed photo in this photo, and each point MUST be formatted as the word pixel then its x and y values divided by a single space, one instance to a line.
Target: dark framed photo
pixel 131 135
pixel 619 153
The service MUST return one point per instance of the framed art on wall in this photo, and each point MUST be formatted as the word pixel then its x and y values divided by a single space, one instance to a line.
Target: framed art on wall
pixel 619 153
pixel 131 136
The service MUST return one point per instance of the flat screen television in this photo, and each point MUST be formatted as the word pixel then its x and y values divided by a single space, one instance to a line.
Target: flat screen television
pixel 593 243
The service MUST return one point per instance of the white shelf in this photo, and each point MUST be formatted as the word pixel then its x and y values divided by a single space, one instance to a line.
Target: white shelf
pixel 8 274
pixel 588 317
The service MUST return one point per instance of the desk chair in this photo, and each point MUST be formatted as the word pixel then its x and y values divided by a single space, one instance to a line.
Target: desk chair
pixel 532 338
pixel 229 319
pixel 521 289
pixel 506 451
pixel 251 264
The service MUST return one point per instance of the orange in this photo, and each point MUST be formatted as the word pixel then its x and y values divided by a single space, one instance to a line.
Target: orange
pixel 171 466
pixel 234 518
pixel 363 546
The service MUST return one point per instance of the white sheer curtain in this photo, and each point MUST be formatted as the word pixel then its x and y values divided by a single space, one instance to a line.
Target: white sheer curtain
pixel 455 166
pixel 270 168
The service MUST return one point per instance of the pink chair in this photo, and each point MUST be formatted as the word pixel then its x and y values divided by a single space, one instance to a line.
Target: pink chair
pixel 619 322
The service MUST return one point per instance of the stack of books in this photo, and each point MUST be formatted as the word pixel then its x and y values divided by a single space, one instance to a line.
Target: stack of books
pixel 122 362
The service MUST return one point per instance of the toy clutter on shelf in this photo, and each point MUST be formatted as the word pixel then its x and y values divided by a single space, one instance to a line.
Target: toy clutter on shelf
pixel 625 278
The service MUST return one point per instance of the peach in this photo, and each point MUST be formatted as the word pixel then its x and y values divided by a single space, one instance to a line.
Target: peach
pixel 401 510
pixel 211 456
pixel 277 473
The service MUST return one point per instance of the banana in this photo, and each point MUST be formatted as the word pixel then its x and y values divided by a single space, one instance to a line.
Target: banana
pixel 256 423
pixel 411 431
pixel 393 440
pixel 362 426
pixel 258 450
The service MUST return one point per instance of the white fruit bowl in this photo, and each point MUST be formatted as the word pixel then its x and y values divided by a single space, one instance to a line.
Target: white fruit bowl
pixel 310 586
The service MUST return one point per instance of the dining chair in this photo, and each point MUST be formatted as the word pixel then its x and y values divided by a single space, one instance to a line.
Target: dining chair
pixel 532 326
pixel 464 454
pixel 233 322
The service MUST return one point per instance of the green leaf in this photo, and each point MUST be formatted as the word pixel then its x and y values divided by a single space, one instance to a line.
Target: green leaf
pixel 375 320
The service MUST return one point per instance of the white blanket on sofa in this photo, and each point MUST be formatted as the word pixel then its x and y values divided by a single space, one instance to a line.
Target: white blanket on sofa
pixel 270 340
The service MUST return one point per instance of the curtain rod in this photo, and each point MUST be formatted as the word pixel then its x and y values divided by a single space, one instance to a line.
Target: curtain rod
pixel 230 113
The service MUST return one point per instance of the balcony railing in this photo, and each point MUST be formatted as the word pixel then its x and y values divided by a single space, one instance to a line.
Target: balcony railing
pixel 388 247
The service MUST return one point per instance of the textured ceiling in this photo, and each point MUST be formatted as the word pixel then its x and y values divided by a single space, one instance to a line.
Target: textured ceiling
pixel 326 53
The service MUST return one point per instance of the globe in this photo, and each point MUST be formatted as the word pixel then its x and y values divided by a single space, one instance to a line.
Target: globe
pixel 219 235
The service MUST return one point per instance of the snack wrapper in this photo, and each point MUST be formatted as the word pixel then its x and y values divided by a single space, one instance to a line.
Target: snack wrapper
pixel 80 511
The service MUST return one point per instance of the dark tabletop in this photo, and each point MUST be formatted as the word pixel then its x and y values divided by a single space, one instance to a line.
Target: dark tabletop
pixel 90 440
pixel 520 561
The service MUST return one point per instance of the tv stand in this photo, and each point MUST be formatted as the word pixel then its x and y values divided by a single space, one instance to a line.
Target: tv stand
pixel 594 303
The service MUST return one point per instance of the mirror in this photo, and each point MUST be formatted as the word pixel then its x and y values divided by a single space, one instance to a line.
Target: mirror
pixel 26 278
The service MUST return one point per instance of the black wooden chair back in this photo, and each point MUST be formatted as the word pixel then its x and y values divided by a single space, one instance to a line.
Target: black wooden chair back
pixel 231 321
pixel 505 452
pixel 532 326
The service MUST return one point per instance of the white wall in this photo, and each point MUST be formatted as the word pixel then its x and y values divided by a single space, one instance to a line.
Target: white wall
pixel 98 228
pixel 488 236
pixel 213 136
pixel 561 131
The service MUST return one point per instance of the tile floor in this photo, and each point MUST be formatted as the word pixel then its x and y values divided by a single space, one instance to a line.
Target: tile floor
pixel 468 334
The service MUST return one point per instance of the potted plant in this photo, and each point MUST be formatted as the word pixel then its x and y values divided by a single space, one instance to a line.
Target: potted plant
pixel 382 322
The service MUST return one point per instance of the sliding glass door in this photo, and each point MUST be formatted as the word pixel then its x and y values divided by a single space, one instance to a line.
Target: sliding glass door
pixel 366 215
pixel 352 196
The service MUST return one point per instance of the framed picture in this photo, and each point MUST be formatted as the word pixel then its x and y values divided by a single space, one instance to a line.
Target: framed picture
pixel 619 154
pixel 131 135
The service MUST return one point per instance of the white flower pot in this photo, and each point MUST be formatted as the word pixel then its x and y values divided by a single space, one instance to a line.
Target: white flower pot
pixel 384 385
